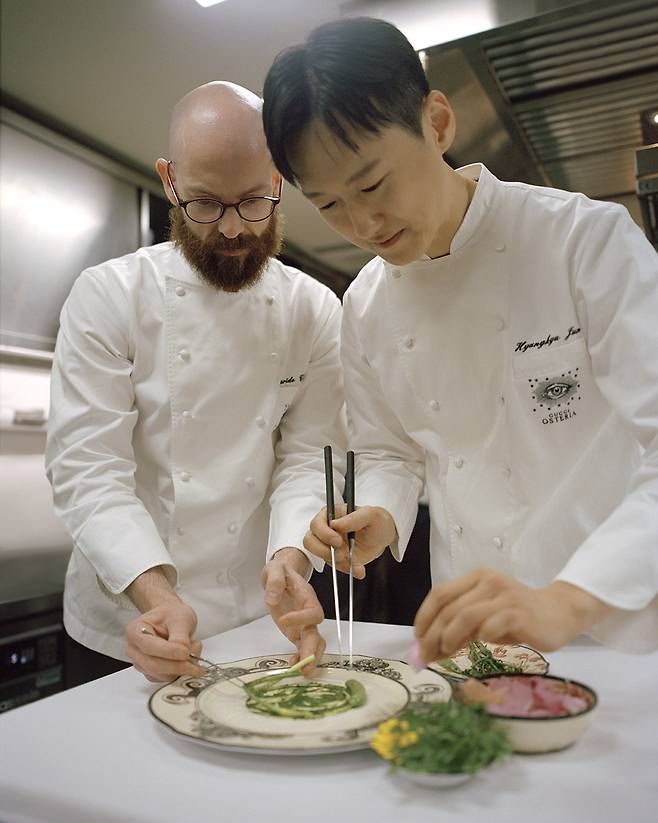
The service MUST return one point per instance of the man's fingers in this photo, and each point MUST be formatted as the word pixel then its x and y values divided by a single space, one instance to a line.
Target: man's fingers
pixel 321 529
pixel 439 597
pixel 317 547
pixel 311 616
pixel 152 646
pixel 162 669
pixel 466 625
pixel 504 626
pixel 303 593
pixel 453 624
pixel 180 629
pixel 356 521
pixel 274 582
pixel 310 642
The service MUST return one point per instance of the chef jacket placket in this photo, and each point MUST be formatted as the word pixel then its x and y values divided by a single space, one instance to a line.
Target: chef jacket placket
pixel 469 475
pixel 205 537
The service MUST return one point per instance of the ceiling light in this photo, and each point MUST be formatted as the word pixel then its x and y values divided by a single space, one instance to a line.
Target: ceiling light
pixel 206 3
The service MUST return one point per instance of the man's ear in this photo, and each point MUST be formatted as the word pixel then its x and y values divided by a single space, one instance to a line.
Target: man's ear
pixel 439 120
pixel 161 168
pixel 276 182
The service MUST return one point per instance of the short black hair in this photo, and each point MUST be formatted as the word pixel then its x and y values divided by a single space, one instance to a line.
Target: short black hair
pixel 359 73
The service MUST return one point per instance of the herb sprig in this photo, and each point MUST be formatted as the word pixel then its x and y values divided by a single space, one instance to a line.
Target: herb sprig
pixel 447 738
pixel 483 662
pixel 303 701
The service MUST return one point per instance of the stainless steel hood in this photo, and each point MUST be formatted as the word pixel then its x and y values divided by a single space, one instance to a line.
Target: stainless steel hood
pixel 555 99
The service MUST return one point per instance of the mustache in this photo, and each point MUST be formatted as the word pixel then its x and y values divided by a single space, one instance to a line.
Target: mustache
pixel 221 244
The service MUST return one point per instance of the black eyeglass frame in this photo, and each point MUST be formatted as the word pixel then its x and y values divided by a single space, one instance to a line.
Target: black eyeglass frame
pixel 183 204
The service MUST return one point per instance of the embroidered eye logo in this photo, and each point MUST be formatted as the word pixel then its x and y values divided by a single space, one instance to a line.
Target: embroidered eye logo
pixel 555 391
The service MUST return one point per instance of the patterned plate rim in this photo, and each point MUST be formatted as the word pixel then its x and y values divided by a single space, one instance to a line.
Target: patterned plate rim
pixel 438 668
pixel 305 750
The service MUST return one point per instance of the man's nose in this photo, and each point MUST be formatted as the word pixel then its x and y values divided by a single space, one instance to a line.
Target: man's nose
pixel 365 222
pixel 230 224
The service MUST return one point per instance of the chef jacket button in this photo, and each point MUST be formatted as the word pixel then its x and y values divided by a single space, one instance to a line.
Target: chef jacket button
pixel 180 531
pixel 397 273
pixel 498 543
pixel 260 422
pixel 500 247
pixel 269 300
pixel 500 323
pixel 185 477
pixel 250 481
pixel 274 356
pixel 180 291
pixel 409 342
pixel 187 414
pixel 435 405
pixel 459 462
pixel 458 529
pixel 507 471
pixel 501 400
pixel 183 354
pixel 232 528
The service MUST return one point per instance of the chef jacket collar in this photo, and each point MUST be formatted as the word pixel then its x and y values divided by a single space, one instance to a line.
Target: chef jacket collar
pixel 478 209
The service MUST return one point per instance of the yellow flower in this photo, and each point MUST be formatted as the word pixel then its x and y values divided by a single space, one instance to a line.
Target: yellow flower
pixel 391 736
pixel 407 739
pixel 383 745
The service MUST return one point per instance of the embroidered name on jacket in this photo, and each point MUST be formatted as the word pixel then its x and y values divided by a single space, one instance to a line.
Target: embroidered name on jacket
pixel 525 345
pixel 291 380
pixel 553 396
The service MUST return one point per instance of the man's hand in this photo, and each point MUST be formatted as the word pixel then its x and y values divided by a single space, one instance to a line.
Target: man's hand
pixel 374 529
pixel 490 606
pixel 293 604
pixel 161 651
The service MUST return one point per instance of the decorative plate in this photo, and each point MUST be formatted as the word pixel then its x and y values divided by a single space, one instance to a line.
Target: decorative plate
pixel 527 659
pixel 212 711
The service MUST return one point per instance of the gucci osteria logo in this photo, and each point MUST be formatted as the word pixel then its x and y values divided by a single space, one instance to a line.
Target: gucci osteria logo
pixel 554 396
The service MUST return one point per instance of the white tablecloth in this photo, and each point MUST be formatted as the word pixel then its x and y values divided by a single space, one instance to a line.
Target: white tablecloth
pixel 94 753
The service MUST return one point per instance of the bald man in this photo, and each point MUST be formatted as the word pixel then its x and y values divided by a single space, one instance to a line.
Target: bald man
pixel 194 385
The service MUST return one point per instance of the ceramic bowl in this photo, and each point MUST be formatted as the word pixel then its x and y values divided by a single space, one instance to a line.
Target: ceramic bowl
pixel 433 780
pixel 535 735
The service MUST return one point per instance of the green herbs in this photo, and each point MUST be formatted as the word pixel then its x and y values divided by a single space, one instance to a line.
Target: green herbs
pixel 484 663
pixel 303 701
pixel 448 738
pixel 307 700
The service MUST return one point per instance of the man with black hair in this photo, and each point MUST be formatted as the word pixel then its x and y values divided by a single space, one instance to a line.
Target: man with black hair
pixel 501 349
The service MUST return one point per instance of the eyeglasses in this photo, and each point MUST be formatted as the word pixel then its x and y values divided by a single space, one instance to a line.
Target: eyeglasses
pixel 209 210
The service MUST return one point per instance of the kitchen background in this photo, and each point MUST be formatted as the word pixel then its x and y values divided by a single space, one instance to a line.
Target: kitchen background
pixel 551 92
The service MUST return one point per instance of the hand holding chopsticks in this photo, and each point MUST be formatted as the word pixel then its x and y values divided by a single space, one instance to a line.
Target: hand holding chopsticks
pixel 373 528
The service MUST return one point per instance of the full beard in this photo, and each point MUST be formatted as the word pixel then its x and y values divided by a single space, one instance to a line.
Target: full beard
pixel 222 271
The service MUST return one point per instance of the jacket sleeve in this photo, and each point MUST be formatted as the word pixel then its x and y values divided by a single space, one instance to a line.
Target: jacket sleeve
pixel 390 467
pixel 89 455
pixel 616 293
pixel 316 418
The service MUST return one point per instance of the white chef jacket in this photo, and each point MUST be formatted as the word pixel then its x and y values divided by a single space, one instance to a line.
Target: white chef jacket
pixel 518 377
pixel 186 431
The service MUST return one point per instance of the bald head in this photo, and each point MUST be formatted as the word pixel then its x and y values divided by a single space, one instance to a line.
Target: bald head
pixel 217 122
